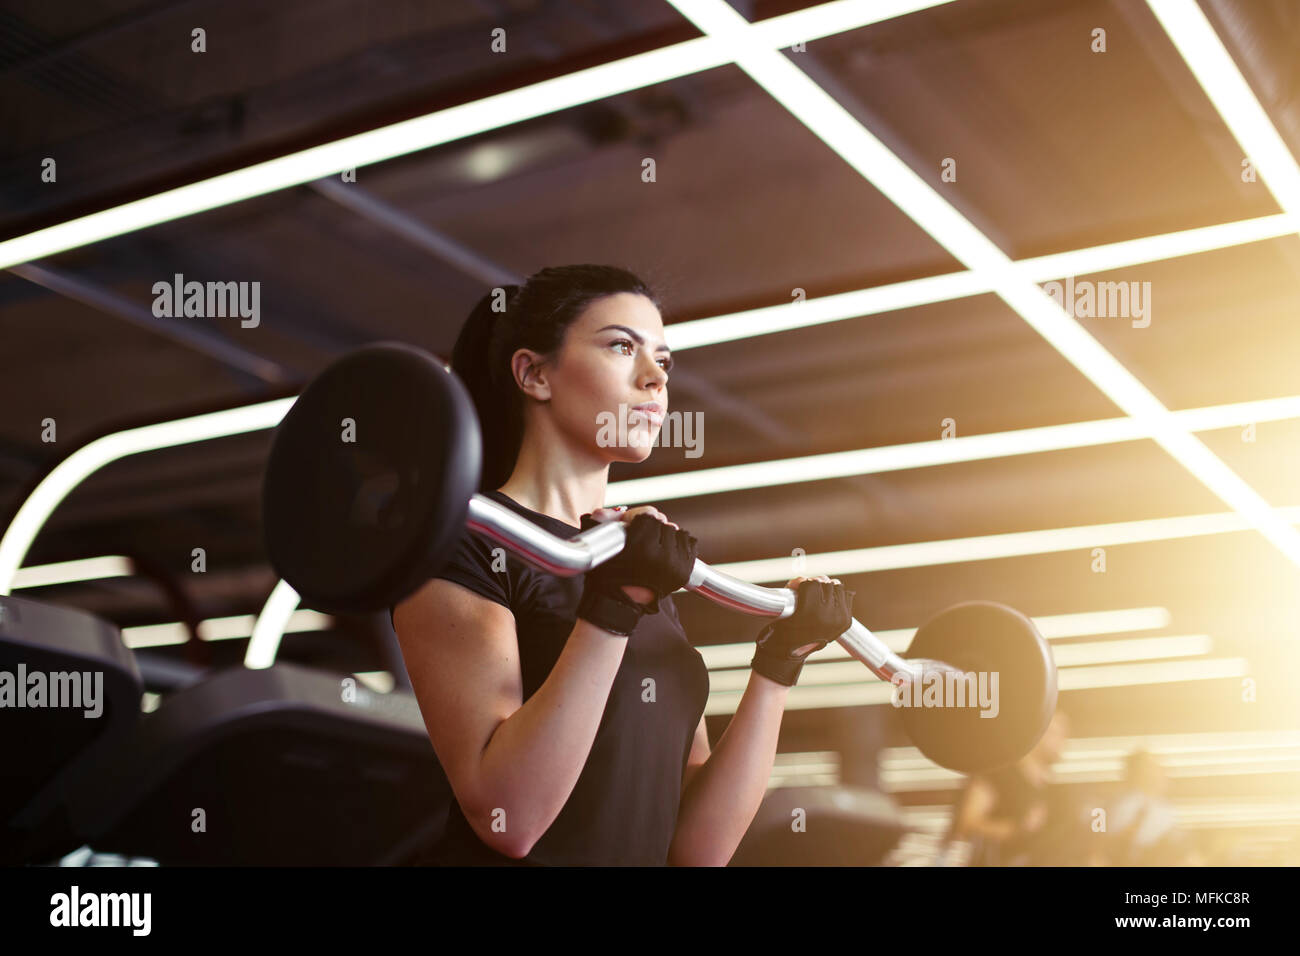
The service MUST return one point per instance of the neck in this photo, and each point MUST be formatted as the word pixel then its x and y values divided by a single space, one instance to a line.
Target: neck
pixel 555 478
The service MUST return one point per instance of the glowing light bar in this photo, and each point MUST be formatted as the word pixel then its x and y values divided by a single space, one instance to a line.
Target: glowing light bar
pixel 1051 626
pixel 271 625
pixel 871 692
pixel 1192 814
pixel 445 126
pixel 924 554
pixel 1102 759
pixel 817 674
pixel 817 768
pixel 381 682
pixel 1213 67
pixel 218 629
pixel 946 451
pixel 875 300
pixel 1087 623
pixel 70 572
pixel 89 458
pixel 1132 649
pixel 241 625
pixel 155 635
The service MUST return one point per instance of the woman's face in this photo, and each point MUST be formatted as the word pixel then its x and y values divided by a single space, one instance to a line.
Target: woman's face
pixel 613 360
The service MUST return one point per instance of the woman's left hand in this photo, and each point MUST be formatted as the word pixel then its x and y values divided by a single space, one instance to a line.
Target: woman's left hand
pixel 823 611
pixel 793 584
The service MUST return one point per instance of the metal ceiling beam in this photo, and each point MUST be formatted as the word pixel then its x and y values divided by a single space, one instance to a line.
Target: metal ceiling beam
pixel 262 370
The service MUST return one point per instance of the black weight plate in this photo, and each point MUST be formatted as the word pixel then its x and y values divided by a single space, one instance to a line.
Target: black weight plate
pixel 356 525
pixel 985 636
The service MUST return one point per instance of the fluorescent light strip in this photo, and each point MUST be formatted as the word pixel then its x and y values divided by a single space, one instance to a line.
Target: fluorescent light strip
pixel 910 781
pixel 381 682
pixel 242 625
pixel 1067 656
pixel 814 768
pixel 826 779
pixel 803 759
pixel 870 692
pixel 1191 813
pixel 217 629
pixel 1159 745
pixel 271 625
pixel 1088 623
pixel 836 127
pixel 1129 650
pixel 89 458
pixel 1099 759
pixel 445 126
pixel 70 572
pixel 925 554
pixel 946 451
pixel 875 300
pixel 1114 769
pixel 718 657
pixel 1170 245
pixel 1051 626
pixel 1213 67
pixel 155 635
pixel 388 142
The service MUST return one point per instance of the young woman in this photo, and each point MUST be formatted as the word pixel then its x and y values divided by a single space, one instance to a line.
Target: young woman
pixel 567 713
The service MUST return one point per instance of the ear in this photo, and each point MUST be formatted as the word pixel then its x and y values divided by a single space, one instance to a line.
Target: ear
pixel 529 371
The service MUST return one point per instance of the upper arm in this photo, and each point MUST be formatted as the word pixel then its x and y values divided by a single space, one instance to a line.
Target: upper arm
pixel 699 753
pixel 462 654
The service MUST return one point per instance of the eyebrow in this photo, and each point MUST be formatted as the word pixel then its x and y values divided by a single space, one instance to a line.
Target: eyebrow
pixel 635 336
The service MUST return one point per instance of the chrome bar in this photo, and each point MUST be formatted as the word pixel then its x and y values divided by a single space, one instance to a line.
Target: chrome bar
pixel 565 558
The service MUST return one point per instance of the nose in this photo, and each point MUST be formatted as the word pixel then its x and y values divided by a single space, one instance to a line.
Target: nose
pixel 654 376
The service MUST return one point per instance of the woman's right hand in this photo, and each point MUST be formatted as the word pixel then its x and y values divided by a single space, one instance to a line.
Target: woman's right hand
pixel 654 562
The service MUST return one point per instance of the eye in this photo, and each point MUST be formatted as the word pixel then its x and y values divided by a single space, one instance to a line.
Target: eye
pixel 666 363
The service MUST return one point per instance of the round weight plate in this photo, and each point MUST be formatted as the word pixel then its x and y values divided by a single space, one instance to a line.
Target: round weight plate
pixel 985 638
pixel 369 478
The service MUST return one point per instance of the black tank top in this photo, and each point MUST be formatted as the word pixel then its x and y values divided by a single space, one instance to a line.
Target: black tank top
pixel 623 808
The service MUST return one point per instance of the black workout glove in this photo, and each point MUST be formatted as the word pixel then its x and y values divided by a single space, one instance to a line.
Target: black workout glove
pixel 822 613
pixel 655 556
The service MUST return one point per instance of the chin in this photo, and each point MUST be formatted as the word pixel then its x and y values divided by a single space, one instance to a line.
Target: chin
pixel 637 453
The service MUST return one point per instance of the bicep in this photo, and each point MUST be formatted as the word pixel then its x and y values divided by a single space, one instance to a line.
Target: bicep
pixel 699 753
pixel 462 654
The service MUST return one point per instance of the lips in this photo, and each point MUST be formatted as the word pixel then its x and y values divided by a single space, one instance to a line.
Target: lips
pixel 651 411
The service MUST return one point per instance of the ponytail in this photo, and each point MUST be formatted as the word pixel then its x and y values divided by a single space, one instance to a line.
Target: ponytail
pixel 475 359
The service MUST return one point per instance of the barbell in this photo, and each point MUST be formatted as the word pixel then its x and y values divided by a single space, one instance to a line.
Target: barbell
pixel 372 478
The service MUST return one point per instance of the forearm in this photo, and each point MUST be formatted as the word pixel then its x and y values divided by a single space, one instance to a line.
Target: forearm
pixel 725 793
pixel 532 761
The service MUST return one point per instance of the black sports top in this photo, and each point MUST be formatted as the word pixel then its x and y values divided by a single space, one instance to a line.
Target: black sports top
pixel 623 808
